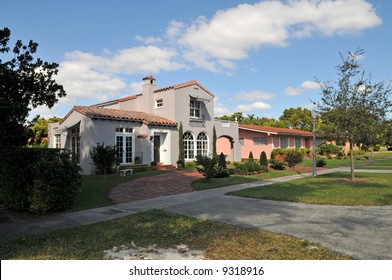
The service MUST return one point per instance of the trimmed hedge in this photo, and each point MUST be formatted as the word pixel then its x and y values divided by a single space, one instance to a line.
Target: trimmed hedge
pixel 38 180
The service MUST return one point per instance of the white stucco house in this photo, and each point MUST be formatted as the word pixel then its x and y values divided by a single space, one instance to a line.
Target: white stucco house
pixel 144 127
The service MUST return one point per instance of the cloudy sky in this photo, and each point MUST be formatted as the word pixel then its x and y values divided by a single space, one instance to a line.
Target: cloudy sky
pixel 257 57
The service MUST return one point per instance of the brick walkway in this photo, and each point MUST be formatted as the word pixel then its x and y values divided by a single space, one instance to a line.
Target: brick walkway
pixel 154 186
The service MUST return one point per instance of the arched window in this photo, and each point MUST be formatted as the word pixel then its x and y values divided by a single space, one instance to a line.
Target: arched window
pixel 189 145
pixel 202 144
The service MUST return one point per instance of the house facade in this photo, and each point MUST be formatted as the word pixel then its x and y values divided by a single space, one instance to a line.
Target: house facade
pixel 257 139
pixel 144 127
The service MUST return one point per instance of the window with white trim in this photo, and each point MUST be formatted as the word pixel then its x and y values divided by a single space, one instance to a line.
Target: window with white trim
pixel 159 103
pixel 57 141
pixel 257 141
pixel 75 146
pixel 195 108
pixel 202 144
pixel 189 145
pixel 298 142
pixel 284 142
pixel 124 144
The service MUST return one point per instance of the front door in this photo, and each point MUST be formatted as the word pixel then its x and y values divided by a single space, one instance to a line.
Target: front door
pixel 157 148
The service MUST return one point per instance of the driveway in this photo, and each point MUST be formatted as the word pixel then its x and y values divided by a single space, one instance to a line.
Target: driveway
pixel 362 232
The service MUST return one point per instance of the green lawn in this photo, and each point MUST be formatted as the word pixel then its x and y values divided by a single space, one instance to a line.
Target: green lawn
pixel 94 189
pixel 359 161
pixel 205 184
pixel 334 189
pixel 166 230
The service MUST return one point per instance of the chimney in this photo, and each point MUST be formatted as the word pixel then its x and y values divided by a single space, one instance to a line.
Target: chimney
pixel 147 99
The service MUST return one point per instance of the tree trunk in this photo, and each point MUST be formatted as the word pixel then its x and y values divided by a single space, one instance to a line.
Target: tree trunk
pixel 352 160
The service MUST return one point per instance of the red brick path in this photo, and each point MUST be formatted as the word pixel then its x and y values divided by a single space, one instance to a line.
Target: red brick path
pixel 154 186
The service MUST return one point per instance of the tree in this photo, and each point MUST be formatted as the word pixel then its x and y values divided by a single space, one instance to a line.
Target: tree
pixel 294 157
pixel 181 155
pixel 25 83
pixel 354 106
pixel 38 130
pixel 214 154
pixel 104 157
pixel 297 118
pixel 263 159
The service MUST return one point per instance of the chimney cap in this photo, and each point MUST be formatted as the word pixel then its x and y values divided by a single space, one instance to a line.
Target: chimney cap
pixel 149 78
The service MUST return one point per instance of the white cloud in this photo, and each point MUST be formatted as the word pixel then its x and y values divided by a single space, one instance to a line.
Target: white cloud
pixel 307 85
pixel 148 40
pixel 310 85
pixel 254 95
pixel 292 91
pixel 230 34
pixel 85 75
pixel 254 106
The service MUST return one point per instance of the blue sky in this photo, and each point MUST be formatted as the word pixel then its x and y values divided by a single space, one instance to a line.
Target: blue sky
pixel 258 57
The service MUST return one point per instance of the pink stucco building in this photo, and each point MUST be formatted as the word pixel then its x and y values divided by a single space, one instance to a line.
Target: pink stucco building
pixel 256 139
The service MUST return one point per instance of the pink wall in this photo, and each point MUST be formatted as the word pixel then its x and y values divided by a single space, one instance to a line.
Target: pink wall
pixel 223 145
pixel 272 143
pixel 256 149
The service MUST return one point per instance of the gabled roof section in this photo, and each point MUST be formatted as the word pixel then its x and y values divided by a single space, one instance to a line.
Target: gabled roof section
pixel 186 84
pixel 275 130
pixel 94 112
pixel 135 96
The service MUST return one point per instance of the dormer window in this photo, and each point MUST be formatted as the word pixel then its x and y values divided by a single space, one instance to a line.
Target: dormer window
pixel 194 108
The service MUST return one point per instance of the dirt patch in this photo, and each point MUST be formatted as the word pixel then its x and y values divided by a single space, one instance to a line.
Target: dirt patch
pixel 355 180
pixel 152 252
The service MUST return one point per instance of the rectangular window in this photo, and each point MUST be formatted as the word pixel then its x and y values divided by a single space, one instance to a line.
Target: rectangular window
pixel 124 144
pixel 128 149
pixel 257 141
pixel 57 141
pixel 124 130
pixel 159 103
pixel 284 142
pixel 194 108
pixel 119 146
pixel 241 140
pixel 298 142
pixel 75 145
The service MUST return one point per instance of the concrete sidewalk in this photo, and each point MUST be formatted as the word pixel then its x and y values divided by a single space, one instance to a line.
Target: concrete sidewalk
pixel 362 232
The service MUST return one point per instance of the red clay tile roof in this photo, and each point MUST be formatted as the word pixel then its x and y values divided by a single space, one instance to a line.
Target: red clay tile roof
pixel 186 84
pixel 94 112
pixel 130 97
pixel 275 130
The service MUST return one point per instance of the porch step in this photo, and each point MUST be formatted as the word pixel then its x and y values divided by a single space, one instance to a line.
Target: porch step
pixel 166 167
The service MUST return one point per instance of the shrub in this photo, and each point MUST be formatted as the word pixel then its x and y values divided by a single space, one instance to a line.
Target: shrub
pixel 256 166
pixel 56 184
pixel 249 166
pixel 38 180
pixel 222 160
pixel 277 165
pixel 251 159
pixel 241 169
pixel 376 148
pixel 320 162
pixel 294 157
pixel 263 159
pixel 328 149
pixel 191 164
pixel 104 157
pixel 211 167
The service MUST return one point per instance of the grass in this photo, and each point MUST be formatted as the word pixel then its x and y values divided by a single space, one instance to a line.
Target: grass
pixel 94 189
pixel 219 241
pixel 332 189
pixel 359 161
pixel 205 184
